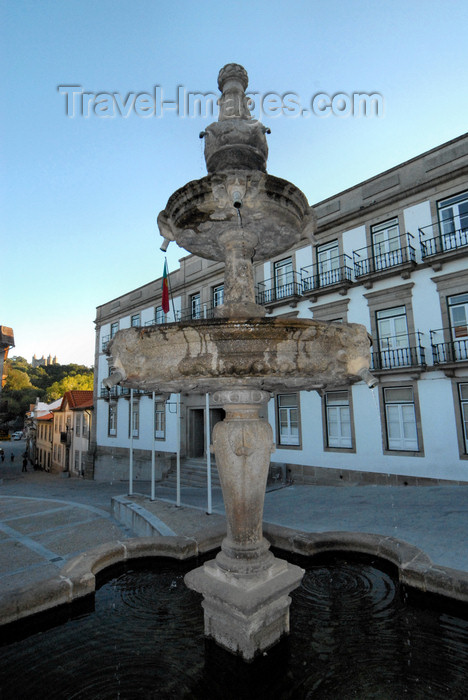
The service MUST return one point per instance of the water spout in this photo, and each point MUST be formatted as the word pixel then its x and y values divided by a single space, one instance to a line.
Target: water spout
pixel 367 377
pixel 114 379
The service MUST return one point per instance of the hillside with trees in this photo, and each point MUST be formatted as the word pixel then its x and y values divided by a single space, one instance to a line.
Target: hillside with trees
pixel 25 383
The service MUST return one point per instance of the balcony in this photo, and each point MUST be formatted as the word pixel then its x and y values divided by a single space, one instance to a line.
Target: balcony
pixel 275 292
pixel 117 391
pixel 438 247
pixel 447 351
pixel 198 313
pixel 397 354
pixel 204 311
pixel 336 276
pixel 394 256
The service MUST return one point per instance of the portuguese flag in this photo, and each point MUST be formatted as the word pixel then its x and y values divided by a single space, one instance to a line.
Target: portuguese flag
pixel 165 290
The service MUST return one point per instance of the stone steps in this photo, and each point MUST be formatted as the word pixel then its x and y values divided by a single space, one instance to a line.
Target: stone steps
pixel 193 473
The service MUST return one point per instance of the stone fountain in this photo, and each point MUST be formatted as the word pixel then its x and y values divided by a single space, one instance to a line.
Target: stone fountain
pixel 239 214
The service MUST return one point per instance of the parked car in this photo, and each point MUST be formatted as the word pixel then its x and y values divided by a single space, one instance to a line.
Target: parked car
pixel 17 435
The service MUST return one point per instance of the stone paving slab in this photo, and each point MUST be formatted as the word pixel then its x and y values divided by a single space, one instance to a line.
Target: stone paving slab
pixel 41 522
pixel 67 542
pixel 14 555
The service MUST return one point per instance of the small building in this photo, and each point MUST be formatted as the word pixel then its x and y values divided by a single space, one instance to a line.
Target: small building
pixel 44 434
pixel 7 341
pixel 37 410
pixel 70 440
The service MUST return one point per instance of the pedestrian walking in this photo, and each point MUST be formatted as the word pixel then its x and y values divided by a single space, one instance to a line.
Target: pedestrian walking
pixel 25 464
pixel 12 457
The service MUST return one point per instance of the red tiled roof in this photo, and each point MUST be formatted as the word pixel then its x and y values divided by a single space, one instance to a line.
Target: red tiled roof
pixel 47 416
pixel 76 399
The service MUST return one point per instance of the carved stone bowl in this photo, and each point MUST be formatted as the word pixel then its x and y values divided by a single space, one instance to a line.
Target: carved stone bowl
pixel 271 210
pixel 271 354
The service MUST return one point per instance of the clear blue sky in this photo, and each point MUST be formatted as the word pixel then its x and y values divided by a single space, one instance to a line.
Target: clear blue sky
pixel 80 196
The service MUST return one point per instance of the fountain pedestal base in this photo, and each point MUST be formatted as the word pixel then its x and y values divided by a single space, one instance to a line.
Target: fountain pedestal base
pixel 246 613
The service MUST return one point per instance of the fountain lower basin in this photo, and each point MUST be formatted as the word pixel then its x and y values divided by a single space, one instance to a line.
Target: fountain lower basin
pixel 353 635
pixel 268 354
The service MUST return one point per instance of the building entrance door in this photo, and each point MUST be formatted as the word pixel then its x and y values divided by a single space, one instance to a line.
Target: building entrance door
pixel 196 427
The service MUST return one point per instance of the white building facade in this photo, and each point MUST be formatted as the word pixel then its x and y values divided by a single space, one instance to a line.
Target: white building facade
pixel 390 253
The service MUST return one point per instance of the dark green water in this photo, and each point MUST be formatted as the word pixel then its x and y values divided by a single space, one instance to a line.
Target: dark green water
pixel 353 635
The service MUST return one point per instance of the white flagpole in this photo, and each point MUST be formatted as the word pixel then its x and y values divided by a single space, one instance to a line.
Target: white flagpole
pixel 178 450
pixel 208 453
pixel 130 466
pixel 153 451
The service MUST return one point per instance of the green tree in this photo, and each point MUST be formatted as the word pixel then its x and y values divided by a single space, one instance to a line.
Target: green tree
pixel 17 380
pixel 70 383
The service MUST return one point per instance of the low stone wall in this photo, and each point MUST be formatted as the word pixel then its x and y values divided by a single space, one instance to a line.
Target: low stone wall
pixel 111 464
pixel 323 476
pixel 138 519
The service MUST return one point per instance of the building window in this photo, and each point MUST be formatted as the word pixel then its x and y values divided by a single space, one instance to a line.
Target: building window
pixel 134 419
pixel 160 420
pixel 288 419
pixel 159 314
pixel 195 306
pixel 338 419
pixel 392 331
pixel 112 420
pixel 284 278
pixel 218 295
pixel 453 221
pixel 114 329
pixel 78 424
pixel 328 264
pixel 386 244
pixel 463 397
pixel 458 316
pixel 85 425
pixel 400 419
pixel 135 320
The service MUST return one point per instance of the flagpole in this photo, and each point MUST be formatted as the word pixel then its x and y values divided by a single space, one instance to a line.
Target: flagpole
pixel 170 291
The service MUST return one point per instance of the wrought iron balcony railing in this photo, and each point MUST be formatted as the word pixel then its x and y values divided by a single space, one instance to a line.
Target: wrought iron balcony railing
pixel 319 275
pixel 116 391
pixel 398 352
pixel 287 288
pixel 394 253
pixel 434 241
pixel 187 314
pixel 445 351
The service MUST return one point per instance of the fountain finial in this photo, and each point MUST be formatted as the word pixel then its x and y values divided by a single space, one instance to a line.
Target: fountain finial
pixel 233 71
pixel 233 103
pixel 237 140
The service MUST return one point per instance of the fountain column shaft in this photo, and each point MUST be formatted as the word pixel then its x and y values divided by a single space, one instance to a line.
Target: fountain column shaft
pixel 245 588
pixel 239 289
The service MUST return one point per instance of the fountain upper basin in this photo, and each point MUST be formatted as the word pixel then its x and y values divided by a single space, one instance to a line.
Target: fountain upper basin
pixel 270 354
pixel 275 212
